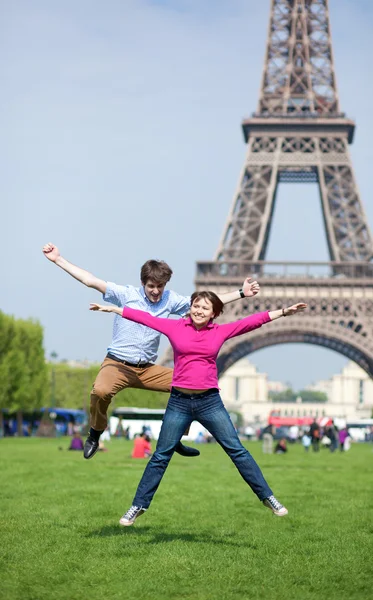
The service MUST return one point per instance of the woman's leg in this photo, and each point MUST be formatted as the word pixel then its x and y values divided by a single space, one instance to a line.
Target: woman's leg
pixel 212 415
pixel 176 419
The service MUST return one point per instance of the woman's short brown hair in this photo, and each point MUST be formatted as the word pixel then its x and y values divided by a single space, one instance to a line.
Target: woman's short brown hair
pixel 217 304
pixel 155 270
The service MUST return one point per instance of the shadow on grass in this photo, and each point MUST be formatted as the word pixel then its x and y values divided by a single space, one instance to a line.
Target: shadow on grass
pixel 203 537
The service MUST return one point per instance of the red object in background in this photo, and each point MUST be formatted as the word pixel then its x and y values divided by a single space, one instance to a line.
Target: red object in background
pixel 301 421
pixel 141 448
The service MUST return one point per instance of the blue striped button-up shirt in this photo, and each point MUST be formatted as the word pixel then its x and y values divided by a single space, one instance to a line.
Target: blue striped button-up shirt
pixel 131 341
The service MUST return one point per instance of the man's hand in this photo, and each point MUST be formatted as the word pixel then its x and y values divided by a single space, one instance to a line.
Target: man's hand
pixel 51 252
pixel 250 288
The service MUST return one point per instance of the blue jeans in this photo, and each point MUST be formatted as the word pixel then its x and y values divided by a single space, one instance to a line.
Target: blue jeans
pixel 208 409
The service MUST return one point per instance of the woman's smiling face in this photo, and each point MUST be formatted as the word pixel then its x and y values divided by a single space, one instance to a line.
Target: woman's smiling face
pixel 201 312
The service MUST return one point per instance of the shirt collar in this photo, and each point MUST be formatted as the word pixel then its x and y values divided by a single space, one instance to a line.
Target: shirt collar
pixel 210 324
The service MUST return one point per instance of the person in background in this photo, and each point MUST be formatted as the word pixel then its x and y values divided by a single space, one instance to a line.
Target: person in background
pixel 141 446
pixel 281 447
pixel 315 435
pixel 268 433
pixel 332 433
pixel 306 441
pixel 196 342
pixel 76 442
pixel 342 437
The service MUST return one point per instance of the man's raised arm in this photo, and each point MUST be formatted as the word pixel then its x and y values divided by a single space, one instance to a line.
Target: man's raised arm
pixel 52 253
pixel 249 288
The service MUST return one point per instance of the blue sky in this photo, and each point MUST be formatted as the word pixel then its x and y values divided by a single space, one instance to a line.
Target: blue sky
pixel 121 141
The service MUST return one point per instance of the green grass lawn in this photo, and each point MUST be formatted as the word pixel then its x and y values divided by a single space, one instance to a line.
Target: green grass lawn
pixel 206 536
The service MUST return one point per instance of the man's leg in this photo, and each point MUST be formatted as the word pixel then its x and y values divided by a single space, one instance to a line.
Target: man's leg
pixel 112 377
pixel 158 379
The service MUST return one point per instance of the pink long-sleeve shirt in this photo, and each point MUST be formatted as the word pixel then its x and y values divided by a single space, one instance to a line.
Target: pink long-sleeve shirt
pixel 196 350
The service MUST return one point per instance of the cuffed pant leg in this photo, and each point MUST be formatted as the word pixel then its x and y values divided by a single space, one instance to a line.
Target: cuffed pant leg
pixel 111 379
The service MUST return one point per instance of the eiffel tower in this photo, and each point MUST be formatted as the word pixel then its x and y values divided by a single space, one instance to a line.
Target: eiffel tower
pixel 298 134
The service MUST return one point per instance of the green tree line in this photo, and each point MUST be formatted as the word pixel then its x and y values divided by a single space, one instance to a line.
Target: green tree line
pixel 29 383
pixel 23 372
pixel 289 395
pixel 71 386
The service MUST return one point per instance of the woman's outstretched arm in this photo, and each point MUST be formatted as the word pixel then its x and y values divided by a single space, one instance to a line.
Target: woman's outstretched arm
pixel 106 308
pixel 287 312
pixel 166 326
pixel 229 330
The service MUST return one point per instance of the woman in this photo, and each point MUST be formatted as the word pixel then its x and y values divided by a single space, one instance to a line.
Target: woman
pixel 342 436
pixel 196 342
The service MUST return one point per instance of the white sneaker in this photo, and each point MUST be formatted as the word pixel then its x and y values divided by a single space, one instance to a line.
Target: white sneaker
pixel 275 506
pixel 131 515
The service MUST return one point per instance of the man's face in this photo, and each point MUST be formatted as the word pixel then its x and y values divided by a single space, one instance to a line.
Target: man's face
pixel 154 290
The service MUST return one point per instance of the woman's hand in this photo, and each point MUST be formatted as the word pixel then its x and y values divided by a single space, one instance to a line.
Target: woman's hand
pixel 287 312
pixel 292 310
pixel 101 307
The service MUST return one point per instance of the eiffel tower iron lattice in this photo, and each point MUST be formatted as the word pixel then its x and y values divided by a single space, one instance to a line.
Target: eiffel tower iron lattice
pixel 298 134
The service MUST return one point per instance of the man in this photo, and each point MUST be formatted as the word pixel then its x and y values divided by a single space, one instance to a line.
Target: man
pixel 132 353
pixel 332 433
pixel 314 432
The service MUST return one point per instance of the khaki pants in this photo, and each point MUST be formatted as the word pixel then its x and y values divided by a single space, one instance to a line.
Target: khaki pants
pixel 114 377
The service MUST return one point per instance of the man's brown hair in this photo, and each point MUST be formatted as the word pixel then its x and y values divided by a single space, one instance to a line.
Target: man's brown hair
pixel 155 270
pixel 217 304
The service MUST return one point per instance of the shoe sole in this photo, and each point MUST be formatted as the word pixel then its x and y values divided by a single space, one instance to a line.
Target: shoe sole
pixel 129 523
pixel 277 514
pixel 126 524
pixel 91 455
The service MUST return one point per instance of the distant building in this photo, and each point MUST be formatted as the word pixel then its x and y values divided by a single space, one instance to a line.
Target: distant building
pixel 350 393
pixel 245 390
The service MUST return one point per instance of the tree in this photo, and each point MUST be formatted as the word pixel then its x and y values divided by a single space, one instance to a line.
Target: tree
pixel 7 325
pixel 313 396
pixel 22 366
pixel 285 396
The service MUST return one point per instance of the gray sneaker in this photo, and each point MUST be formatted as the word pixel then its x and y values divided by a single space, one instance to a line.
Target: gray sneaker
pixel 131 515
pixel 275 506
